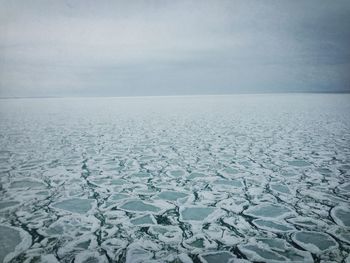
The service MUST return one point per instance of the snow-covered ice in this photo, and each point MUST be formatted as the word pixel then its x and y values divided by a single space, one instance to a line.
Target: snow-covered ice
pixel 238 178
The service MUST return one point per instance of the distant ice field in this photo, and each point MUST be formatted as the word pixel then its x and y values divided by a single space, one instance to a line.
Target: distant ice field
pixel 239 178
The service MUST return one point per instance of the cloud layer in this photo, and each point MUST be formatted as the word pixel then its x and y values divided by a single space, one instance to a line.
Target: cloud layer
pixel 122 48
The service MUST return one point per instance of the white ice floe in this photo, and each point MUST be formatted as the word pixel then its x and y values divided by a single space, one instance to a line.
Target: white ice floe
pixel 269 210
pixel 196 213
pixel 199 243
pixel 273 250
pixel 90 257
pixel 75 205
pixel 167 234
pixel 220 256
pixel 13 241
pixel 340 233
pixel 144 220
pixel 171 195
pixel 273 226
pixel 341 215
pixel 5 205
pixel 27 183
pixel 315 242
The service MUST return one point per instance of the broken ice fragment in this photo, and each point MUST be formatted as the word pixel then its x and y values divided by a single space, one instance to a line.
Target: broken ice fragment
pixel 256 253
pixel 141 175
pixel 7 204
pixel 196 175
pixel 139 206
pixel 137 255
pixel 298 163
pixel 280 188
pixel 341 233
pixel 27 183
pixel 90 257
pixel 177 173
pixel 171 195
pixel 234 183
pixel 119 196
pixel 273 226
pixel 75 205
pixel 196 213
pixel 216 257
pixel 228 172
pixel 315 242
pixel 12 242
pixel 268 211
pixel 341 216
pixel 197 243
pixel 118 182
pixel 144 220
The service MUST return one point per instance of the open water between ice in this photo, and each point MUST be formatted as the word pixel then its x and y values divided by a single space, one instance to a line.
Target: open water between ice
pixel 238 178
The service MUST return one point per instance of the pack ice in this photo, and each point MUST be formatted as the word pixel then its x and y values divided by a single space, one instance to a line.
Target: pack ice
pixel 241 178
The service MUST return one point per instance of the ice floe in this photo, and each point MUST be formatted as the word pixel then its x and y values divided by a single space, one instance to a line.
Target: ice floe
pixel 268 211
pixel 75 205
pixel 139 206
pixel 221 256
pixel 195 213
pixel 8 204
pixel 273 250
pixel 145 220
pixel 315 242
pixel 341 216
pixel 274 226
pixel 13 241
pixel 171 195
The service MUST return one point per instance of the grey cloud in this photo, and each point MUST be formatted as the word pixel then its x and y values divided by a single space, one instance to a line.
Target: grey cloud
pixel 120 48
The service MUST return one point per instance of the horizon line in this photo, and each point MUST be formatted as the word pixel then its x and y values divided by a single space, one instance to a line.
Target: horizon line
pixel 177 95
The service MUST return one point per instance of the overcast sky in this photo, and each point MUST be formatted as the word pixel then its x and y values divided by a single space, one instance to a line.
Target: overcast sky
pixel 125 48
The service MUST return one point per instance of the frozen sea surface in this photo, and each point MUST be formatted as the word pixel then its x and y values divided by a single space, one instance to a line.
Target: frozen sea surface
pixel 240 178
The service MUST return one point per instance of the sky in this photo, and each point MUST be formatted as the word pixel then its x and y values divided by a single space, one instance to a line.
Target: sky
pixel 137 48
